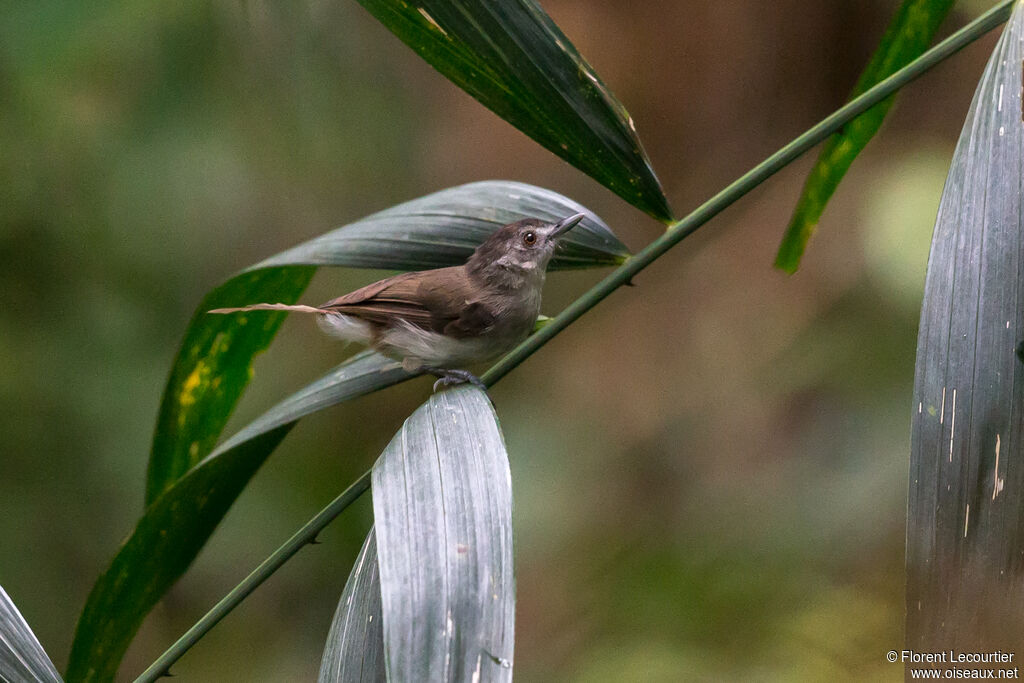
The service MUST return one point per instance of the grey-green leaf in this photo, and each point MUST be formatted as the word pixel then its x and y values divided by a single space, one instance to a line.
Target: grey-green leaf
pixel 515 60
pixel 22 658
pixel 355 644
pixel 965 578
pixel 442 505
pixel 443 229
pixel 177 524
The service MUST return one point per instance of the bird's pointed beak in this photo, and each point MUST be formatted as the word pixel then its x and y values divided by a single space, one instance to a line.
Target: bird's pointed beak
pixel 565 225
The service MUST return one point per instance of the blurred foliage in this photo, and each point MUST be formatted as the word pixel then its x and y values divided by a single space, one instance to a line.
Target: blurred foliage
pixel 901 207
pixel 908 35
pixel 709 470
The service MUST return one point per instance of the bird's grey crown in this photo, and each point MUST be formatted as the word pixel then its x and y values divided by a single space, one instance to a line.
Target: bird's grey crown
pixel 504 260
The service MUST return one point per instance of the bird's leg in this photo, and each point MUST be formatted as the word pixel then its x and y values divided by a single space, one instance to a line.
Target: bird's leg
pixel 447 377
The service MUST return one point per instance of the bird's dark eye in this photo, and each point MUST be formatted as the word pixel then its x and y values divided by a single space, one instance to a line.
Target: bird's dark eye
pixel 529 238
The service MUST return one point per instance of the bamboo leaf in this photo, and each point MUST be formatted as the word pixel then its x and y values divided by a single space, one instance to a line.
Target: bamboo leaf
pixel 214 363
pixel 442 505
pixel 516 61
pixel 22 658
pixel 966 499
pixel 908 35
pixel 212 368
pixel 177 524
pixel 443 229
pixel 355 644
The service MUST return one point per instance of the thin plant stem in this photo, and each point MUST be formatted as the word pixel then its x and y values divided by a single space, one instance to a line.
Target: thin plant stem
pixel 623 274
pixel 304 536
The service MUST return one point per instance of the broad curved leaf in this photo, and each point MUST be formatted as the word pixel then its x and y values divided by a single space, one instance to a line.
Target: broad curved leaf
pixel 214 363
pixel 442 505
pixel 22 658
pixel 355 644
pixel 965 577
pixel 177 524
pixel 515 60
pixel 908 35
pixel 443 228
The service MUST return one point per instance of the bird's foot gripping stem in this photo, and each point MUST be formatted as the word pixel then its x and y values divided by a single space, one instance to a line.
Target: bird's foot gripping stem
pixel 447 377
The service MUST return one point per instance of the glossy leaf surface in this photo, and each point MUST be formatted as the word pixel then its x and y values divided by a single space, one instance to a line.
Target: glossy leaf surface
pixel 442 505
pixel 22 658
pixel 516 61
pixel 965 575
pixel 355 644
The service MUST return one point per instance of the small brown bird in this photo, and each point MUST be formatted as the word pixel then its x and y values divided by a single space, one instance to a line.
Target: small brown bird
pixel 439 321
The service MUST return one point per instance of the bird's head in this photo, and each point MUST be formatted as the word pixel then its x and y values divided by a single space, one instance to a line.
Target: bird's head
pixel 526 245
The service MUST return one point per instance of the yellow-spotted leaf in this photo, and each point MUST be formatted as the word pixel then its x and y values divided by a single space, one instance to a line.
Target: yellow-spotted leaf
pixel 178 523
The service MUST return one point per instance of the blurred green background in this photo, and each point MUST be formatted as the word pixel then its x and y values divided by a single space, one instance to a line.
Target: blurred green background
pixel 710 469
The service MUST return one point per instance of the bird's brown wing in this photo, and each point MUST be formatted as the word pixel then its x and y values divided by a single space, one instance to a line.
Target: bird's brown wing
pixel 473 320
pixel 441 300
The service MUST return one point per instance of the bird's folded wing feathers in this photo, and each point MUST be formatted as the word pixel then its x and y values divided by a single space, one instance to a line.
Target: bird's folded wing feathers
pixel 473 320
pixel 435 300
pixel 442 300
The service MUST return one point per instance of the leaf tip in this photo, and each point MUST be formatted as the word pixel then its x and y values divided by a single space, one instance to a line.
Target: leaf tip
pixel 788 261
pixel 660 210
pixel 794 243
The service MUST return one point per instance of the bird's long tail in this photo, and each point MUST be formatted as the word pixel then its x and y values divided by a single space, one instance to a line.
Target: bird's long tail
pixel 297 308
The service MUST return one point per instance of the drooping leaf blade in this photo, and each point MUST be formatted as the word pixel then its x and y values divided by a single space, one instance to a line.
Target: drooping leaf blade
pixel 965 577
pixel 907 36
pixel 22 658
pixel 442 505
pixel 443 229
pixel 355 645
pixel 214 363
pixel 516 61
pixel 212 368
pixel 177 524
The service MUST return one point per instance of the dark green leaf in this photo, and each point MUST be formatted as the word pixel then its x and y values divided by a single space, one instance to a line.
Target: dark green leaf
pixel 355 645
pixel 965 578
pixel 442 506
pixel 514 59
pixel 214 363
pixel 22 658
pixel 177 524
pixel 907 36
pixel 213 366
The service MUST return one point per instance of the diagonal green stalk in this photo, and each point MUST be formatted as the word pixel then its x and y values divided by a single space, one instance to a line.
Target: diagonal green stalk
pixel 301 538
pixel 747 182
pixel 620 276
